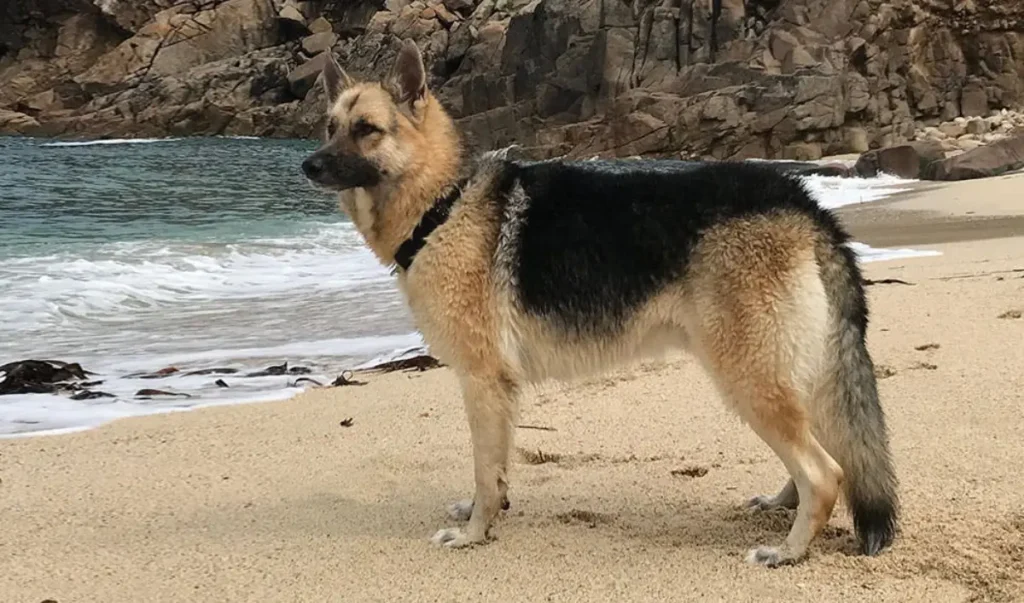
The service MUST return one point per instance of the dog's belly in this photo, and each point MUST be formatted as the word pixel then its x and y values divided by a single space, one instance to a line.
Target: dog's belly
pixel 540 356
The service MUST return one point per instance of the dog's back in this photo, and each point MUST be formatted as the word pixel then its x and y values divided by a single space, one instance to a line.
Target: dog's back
pixel 597 239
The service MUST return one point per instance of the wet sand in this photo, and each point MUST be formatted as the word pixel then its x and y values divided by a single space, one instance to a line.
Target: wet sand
pixel 942 213
pixel 638 495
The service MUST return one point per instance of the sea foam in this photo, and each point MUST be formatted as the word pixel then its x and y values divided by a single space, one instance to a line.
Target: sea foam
pixel 105 141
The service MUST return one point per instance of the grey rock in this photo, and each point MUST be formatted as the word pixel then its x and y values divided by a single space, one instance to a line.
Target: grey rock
pixel 302 78
pixel 317 43
pixel 982 162
pixel 905 160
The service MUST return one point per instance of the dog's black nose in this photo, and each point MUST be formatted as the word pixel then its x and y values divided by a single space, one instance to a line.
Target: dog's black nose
pixel 313 166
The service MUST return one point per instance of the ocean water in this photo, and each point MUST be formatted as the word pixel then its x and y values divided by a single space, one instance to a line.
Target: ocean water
pixel 130 256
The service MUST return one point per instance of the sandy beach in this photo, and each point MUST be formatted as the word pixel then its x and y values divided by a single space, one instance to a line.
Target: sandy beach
pixel 631 492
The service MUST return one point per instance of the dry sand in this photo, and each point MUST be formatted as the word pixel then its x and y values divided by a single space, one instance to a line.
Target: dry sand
pixel 279 502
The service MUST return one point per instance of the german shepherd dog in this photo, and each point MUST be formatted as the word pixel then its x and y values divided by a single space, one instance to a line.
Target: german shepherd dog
pixel 517 272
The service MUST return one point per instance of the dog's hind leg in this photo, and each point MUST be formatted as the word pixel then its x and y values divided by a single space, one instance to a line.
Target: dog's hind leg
pixel 761 327
pixel 491 407
pixel 786 498
pixel 774 410
pixel 779 420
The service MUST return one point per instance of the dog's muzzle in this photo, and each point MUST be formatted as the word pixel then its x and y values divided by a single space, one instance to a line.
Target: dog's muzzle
pixel 340 172
pixel 313 167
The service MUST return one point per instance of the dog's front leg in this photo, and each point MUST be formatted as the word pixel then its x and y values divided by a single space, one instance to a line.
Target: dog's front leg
pixel 491 408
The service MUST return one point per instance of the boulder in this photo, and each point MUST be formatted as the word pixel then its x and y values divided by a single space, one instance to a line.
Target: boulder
pixel 459 6
pixel 904 161
pixel 302 78
pixel 973 100
pixel 291 17
pixel 445 16
pixel 949 145
pixel 321 25
pixel 396 6
pixel 317 43
pixel 13 122
pixel 953 129
pixel 291 24
pixel 977 126
pixel 982 162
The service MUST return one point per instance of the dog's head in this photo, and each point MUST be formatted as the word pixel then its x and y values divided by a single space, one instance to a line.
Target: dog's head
pixel 373 131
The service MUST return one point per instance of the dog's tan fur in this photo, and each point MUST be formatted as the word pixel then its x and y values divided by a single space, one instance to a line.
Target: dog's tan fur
pixel 752 309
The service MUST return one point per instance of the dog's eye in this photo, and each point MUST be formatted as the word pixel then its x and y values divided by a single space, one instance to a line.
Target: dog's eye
pixel 332 128
pixel 363 128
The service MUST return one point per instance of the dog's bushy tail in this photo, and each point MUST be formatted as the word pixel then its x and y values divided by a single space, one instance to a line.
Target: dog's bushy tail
pixel 848 417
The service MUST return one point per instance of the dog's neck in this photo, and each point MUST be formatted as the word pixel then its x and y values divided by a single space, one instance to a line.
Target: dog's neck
pixel 434 217
pixel 396 210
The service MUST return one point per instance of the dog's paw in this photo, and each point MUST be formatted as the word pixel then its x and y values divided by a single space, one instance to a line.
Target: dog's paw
pixel 762 503
pixel 770 556
pixel 461 510
pixel 452 538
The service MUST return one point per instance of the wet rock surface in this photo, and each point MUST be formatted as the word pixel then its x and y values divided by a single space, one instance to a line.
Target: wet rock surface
pixel 981 162
pixel 40 377
pixel 70 379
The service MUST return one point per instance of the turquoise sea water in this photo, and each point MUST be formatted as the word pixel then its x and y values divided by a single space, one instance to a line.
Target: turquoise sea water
pixel 131 256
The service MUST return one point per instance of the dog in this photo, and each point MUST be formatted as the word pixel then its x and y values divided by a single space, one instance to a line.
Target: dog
pixel 517 272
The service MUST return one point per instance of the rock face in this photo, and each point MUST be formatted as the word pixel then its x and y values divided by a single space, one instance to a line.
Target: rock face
pixel 17 123
pixel 178 40
pixel 794 79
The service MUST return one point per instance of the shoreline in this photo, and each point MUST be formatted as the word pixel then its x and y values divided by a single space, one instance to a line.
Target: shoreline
pixel 375 363
pixel 935 213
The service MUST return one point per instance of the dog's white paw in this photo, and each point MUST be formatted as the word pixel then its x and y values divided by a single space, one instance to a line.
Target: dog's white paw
pixel 461 510
pixel 770 556
pixel 452 538
pixel 762 503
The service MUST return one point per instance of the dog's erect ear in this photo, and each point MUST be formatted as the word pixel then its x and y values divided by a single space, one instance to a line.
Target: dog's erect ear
pixel 408 74
pixel 335 78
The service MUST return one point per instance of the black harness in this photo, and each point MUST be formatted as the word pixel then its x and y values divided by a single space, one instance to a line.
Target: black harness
pixel 435 216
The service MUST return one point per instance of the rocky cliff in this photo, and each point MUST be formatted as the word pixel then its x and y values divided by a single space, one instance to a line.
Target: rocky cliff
pixel 699 78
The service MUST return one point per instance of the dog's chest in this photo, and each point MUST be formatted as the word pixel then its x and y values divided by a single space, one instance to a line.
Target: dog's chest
pixel 449 297
pixel 432 317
